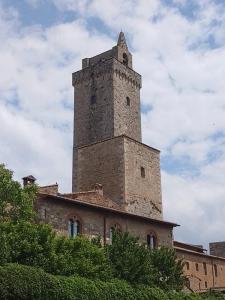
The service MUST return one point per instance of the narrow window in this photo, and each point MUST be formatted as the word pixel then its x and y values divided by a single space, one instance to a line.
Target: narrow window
pixel 206 284
pixel 196 266
pixel 111 234
pixel 188 284
pixel 187 265
pixel 125 59
pixel 215 270
pixel 142 172
pixel 128 101
pixel 93 99
pixel 205 268
pixel 151 241
pixel 74 228
pixel 115 227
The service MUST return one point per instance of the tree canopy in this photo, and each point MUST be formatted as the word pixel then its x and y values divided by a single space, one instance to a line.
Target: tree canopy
pixel 16 202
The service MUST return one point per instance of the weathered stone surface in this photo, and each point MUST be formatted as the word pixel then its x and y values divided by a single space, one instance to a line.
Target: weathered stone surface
pixel 117 163
pixel 57 211
pixel 217 249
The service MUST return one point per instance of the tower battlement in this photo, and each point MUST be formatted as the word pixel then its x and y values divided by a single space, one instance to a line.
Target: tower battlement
pixel 109 66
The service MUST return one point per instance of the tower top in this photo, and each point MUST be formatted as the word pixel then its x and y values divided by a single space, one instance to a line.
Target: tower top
pixel 121 39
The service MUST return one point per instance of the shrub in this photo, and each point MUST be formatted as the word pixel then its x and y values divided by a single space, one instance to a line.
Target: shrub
pixel 37 245
pixel 26 283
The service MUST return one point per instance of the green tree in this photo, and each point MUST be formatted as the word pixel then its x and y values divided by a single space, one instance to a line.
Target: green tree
pixel 16 202
pixel 137 264
pixel 167 270
pixel 37 245
pixel 129 260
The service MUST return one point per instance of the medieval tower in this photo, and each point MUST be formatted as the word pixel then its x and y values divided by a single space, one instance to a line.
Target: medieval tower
pixel 108 145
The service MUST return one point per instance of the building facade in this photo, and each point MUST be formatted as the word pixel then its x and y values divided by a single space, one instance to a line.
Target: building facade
pixel 116 180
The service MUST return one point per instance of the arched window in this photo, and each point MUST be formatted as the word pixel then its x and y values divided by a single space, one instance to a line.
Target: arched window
pixel 188 284
pixel 128 101
pixel 151 241
pixel 112 229
pixel 196 267
pixel 73 228
pixel 125 59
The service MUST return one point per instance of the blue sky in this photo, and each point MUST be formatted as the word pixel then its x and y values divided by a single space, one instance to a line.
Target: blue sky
pixel 179 48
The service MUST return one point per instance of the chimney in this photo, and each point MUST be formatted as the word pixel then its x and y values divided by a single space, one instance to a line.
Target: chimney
pixel 98 188
pixel 28 180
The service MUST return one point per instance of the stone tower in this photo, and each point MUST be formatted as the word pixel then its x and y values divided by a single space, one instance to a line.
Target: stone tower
pixel 107 134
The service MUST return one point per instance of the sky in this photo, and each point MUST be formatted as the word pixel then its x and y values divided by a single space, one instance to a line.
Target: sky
pixel 179 48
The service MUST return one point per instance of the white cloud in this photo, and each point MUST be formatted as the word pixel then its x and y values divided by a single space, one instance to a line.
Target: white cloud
pixel 183 83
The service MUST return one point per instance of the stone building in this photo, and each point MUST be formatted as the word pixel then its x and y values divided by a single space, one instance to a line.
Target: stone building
pixel 116 181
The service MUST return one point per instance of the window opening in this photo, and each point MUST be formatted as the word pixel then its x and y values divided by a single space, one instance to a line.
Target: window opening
pixel 128 101
pixel 74 228
pixel 142 172
pixel 151 241
pixel 125 59
pixel 196 266
pixel 205 268
pixel 215 270
pixel 93 99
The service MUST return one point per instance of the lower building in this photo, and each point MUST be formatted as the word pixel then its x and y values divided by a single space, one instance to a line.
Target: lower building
pixel 203 271
pixel 92 214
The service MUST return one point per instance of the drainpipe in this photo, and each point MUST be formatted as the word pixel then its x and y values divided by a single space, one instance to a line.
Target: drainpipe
pixel 104 237
pixel 213 273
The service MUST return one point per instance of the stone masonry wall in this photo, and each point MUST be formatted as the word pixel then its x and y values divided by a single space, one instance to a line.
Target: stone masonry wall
pixel 142 195
pixel 93 107
pixel 127 118
pixel 116 164
pixel 102 163
pixel 217 249
pixel 95 221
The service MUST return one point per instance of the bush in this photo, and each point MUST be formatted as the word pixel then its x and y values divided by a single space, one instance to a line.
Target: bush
pixel 37 245
pixel 26 283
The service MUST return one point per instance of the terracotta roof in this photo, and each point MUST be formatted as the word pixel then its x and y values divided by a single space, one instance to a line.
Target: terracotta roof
pixel 198 253
pixel 93 197
pixel 199 249
pixel 120 211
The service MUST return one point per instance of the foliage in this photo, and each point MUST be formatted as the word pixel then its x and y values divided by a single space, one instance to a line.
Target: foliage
pixel 25 283
pixel 129 260
pixel 38 245
pixel 167 270
pixel 137 264
pixel 16 203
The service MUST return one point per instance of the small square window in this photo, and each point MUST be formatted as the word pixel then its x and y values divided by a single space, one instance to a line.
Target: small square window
pixel 142 172
pixel 93 99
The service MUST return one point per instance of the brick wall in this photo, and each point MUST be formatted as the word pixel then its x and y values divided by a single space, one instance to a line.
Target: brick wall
pixel 194 270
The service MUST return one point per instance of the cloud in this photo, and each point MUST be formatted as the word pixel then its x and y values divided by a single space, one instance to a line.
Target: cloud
pixel 181 60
